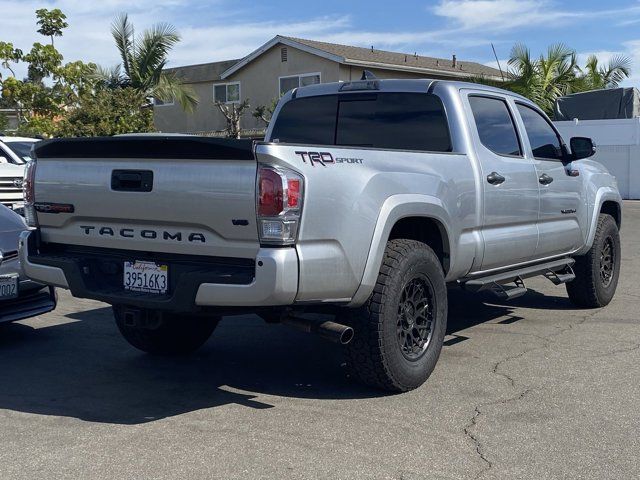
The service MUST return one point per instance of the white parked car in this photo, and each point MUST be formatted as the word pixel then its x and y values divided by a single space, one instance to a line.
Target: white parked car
pixel 20 297
pixel 14 153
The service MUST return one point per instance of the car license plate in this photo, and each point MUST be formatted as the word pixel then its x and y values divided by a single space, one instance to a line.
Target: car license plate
pixel 8 286
pixel 148 277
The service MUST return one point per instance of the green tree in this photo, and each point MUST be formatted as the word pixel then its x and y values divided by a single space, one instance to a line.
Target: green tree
pixel 51 88
pixel 8 55
pixel 107 112
pixel 42 61
pixel 51 22
pixel 265 112
pixel 595 76
pixel 547 77
pixel 144 58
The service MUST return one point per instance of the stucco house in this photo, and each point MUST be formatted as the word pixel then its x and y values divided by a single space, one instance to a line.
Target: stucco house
pixel 284 63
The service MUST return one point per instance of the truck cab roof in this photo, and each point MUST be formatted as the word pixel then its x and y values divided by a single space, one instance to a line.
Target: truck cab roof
pixel 393 85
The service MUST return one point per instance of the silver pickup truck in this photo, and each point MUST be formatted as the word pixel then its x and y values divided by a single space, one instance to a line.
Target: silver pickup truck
pixel 364 201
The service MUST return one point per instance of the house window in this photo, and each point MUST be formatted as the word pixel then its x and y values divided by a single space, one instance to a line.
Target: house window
pixel 227 93
pixel 283 54
pixel 159 103
pixel 295 81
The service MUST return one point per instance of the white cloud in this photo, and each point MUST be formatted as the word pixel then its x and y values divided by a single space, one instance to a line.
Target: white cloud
pixel 500 15
pixel 226 37
pixel 228 41
pixel 88 36
pixel 603 56
pixel 494 14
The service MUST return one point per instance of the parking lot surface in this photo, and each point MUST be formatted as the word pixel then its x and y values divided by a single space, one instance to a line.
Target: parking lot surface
pixel 533 388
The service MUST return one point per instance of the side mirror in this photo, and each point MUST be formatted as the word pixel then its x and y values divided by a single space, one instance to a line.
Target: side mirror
pixel 582 147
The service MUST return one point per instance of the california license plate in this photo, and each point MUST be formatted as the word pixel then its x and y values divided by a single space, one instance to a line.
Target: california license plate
pixel 148 277
pixel 8 286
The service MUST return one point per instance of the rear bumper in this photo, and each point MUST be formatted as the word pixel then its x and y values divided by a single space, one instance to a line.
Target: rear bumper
pixel 272 280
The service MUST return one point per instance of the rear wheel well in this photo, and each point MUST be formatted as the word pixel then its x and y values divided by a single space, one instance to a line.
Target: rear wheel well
pixel 612 208
pixel 426 230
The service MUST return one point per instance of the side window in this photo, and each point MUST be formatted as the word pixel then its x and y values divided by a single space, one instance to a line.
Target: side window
pixel 309 120
pixel 295 81
pixel 542 137
pixel 227 93
pixel 495 126
pixel 396 121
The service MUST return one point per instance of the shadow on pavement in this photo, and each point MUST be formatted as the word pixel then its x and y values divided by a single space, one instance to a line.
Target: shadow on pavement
pixel 84 369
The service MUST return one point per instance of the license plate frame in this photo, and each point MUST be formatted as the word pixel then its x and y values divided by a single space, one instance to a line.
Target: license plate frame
pixel 143 276
pixel 8 287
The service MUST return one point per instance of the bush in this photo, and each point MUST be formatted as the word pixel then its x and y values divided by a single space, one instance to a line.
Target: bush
pixel 108 112
pixel 4 122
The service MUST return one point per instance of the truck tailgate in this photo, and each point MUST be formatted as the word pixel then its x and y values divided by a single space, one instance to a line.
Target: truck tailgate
pixel 171 194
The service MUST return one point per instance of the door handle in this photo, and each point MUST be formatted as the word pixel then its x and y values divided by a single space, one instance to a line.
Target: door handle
pixel 494 178
pixel 545 179
pixel 132 180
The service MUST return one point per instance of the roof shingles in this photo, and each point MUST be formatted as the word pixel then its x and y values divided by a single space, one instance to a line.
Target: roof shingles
pixel 398 59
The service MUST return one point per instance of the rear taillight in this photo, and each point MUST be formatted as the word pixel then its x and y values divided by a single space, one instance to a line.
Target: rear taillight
pixel 28 191
pixel 279 204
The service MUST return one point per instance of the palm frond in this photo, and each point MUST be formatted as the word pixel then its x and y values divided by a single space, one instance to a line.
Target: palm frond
pixel 109 77
pixel 123 34
pixel 169 88
pixel 152 50
pixel 617 70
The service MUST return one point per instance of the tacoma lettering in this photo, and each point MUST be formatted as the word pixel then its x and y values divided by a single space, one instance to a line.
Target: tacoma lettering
pixel 146 234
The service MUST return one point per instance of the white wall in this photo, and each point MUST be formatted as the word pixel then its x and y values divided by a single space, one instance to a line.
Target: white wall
pixel 617 147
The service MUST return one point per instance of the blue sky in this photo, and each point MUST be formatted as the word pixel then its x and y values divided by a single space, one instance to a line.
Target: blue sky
pixel 222 29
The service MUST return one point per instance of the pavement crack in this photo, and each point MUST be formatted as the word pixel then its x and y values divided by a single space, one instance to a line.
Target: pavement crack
pixel 471 429
pixel 469 432
pixel 619 350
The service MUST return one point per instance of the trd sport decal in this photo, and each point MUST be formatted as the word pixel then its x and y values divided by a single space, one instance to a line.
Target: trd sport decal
pixel 325 158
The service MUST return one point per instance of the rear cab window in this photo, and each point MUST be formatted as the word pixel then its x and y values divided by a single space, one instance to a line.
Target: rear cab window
pixel 383 120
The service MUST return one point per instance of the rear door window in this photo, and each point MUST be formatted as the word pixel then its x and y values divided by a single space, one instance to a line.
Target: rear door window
pixel 402 121
pixel 495 125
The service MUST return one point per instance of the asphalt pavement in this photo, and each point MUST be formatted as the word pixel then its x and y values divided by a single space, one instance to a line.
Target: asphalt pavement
pixel 528 389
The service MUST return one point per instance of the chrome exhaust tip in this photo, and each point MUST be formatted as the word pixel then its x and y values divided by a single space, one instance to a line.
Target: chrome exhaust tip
pixel 331 331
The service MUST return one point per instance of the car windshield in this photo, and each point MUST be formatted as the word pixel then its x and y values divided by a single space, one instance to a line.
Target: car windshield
pixel 21 149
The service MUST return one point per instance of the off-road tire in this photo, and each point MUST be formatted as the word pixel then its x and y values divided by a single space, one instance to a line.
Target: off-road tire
pixel 171 334
pixel 375 356
pixel 590 289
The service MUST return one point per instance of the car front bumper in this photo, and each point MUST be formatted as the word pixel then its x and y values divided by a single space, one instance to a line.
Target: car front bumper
pixel 33 299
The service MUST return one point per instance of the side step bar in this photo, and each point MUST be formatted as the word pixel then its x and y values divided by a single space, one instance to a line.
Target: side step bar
pixel 558 271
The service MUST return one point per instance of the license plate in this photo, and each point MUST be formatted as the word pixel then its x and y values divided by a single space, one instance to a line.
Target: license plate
pixel 148 277
pixel 8 286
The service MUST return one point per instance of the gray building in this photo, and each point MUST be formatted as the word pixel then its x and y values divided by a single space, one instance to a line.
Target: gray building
pixel 284 63
pixel 12 118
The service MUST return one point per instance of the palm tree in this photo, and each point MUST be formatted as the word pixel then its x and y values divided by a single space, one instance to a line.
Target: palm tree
pixel 557 73
pixel 595 76
pixel 143 61
pixel 546 78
